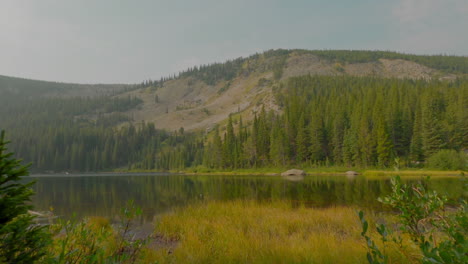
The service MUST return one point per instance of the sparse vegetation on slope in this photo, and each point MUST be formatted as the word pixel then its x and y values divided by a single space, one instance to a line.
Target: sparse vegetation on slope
pixel 445 63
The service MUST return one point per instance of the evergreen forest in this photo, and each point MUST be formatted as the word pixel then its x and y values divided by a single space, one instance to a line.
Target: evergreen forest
pixel 345 121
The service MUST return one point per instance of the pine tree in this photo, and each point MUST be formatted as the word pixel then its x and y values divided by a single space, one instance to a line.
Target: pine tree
pixel 262 138
pixel 350 153
pixel 384 145
pixel 302 146
pixel 366 144
pixel 278 144
pixel 21 241
pixel 433 134
pixel 337 139
pixel 217 149
pixel 317 138
pixel 230 150
pixel 416 147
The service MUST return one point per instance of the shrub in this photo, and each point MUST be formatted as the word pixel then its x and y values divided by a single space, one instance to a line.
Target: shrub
pixel 94 240
pixel 448 159
pixel 424 221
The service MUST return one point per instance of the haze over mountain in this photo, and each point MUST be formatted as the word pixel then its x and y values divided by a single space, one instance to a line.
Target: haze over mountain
pixel 118 41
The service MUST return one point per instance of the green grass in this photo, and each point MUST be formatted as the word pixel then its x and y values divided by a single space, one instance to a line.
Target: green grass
pixel 249 232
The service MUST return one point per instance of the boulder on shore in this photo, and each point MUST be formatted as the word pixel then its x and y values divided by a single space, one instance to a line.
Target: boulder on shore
pixel 352 173
pixel 293 172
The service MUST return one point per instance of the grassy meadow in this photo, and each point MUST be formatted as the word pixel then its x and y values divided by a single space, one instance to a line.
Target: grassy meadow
pixel 249 232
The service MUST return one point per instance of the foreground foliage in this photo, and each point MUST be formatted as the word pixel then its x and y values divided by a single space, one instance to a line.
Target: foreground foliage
pixel 95 240
pixel 440 235
pixel 24 240
pixel 21 241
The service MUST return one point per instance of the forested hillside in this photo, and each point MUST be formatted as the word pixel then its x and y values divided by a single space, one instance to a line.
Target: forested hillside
pixel 275 109
pixel 349 121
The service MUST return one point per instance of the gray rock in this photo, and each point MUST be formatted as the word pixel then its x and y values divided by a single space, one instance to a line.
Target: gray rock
pixel 352 173
pixel 294 178
pixel 293 172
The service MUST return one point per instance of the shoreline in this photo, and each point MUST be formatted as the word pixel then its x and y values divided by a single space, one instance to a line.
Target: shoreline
pixel 266 172
pixel 360 173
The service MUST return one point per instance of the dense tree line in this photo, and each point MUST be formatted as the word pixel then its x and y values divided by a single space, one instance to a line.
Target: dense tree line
pixel 349 121
pixel 89 134
pixel 60 134
pixel 79 147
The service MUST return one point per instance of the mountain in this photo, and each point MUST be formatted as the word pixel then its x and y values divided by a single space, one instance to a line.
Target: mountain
pixel 203 96
pixel 278 108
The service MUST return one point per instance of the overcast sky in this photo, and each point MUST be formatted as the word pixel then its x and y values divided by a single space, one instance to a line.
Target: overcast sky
pixel 127 41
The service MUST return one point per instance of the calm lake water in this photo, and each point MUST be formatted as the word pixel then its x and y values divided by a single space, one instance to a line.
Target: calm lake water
pixel 104 195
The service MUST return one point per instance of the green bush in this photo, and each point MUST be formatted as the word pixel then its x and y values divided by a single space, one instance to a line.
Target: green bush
pixel 94 240
pixel 448 159
pixel 423 220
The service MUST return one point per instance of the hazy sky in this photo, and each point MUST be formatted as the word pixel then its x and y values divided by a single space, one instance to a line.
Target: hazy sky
pixel 115 41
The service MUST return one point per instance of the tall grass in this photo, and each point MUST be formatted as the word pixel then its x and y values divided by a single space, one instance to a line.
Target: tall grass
pixel 248 232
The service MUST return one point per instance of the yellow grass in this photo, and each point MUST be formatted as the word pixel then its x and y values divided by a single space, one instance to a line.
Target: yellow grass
pixel 248 232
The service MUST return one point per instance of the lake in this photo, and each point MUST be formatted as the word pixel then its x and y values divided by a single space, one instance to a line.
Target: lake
pixel 105 194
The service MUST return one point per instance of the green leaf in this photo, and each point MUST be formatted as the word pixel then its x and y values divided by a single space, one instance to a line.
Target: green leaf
pixel 369 258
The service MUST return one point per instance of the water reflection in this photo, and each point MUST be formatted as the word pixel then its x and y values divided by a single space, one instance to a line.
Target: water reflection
pixel 156 194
